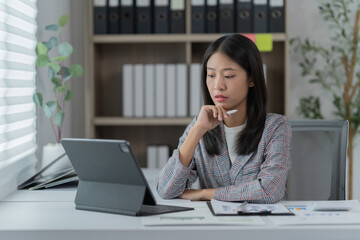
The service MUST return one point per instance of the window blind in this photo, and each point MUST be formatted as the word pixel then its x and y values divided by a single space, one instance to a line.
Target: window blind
pixel 17 81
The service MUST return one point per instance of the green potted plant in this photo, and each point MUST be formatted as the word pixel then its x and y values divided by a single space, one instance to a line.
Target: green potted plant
pixel 335 68
pixel 54 54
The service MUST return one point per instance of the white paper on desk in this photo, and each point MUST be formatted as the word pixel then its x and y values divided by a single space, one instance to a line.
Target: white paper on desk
pixel 329 206
pixel 199 216
pixel 318 218
pixel 304 215
pixel 231 208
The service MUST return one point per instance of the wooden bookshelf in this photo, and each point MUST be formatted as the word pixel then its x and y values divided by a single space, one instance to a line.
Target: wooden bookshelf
pixel 120 121
pixel 167 38
pixel 105 55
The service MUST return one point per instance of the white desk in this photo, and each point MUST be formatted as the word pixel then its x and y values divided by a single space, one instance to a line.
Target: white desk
pixel 51 215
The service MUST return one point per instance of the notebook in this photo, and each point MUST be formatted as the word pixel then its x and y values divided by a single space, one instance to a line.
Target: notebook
pixel 51 176
pixel 110 178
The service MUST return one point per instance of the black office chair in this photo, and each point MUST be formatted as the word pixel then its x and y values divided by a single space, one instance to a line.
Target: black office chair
pixel 318 152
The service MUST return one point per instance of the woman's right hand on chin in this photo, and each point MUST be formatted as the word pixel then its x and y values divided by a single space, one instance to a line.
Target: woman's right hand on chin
pixel 209 117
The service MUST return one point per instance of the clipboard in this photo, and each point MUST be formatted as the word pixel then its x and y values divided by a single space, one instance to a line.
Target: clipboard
pixel 221 208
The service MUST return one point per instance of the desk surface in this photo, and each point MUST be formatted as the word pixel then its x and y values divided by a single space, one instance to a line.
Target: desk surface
pixel 51 214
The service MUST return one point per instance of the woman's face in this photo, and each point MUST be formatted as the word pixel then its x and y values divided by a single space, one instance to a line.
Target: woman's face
pixel 227 82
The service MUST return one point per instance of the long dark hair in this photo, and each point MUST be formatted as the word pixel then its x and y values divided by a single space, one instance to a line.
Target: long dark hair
pixel 245 53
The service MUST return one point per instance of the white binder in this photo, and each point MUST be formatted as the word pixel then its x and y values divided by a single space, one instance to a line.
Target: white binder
pixel 160 90
pixel 127 91
pixel 265 72
pixel 170 90
pixel 149 91
pixel 163 156
pixel 152 157
pixel 195 89
pixel 182 90
pixel 139 90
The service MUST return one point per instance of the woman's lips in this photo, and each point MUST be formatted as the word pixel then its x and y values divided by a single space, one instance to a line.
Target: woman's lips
pixel 220 98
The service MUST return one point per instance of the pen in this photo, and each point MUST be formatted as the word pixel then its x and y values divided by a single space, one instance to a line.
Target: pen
pixel 231 112
pixel 242 205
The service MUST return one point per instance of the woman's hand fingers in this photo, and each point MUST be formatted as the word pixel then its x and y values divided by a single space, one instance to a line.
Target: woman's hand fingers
pixel 210 116
pixel 213 110
pixel 220 113
pixel 225 115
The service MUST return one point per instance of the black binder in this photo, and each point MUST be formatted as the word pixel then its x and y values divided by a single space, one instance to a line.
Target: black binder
pixel 143 16
pixel 161 16
pixel 226 16
pixel 211 16
pixel 198 16
pixel 113 17
pixel 127 15
pixel 260 16
pixel 177 16
pixel 244 16
pixel 100 14
pixel 277 16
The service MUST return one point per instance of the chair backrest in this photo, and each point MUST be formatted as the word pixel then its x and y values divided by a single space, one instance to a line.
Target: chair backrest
pixel 318 153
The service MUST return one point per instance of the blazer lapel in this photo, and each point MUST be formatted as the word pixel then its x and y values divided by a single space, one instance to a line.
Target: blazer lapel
pixel 223 160
pixel 239 163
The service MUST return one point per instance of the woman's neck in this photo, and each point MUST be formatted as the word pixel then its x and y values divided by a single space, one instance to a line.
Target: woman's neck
pixel 236 119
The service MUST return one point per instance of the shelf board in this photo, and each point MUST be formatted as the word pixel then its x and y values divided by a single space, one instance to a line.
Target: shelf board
pixel 168 38
pixel 120 121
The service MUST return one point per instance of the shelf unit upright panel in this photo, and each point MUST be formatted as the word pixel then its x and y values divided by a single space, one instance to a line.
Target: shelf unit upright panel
pixel 105 55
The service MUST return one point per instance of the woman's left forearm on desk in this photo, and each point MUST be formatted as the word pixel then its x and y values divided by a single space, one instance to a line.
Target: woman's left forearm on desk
pixel 198 194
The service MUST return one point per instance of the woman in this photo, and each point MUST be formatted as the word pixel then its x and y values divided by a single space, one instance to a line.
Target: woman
pixel 239 157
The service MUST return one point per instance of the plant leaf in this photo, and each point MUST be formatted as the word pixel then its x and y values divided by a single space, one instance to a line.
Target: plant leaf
pixel 41 49
pixel 47 45
pixel 61 89
pixel 55 66
pixel 65 73
pixel 69 95
pixel 52 27
pixel 38 99
pixel 63 20
pixel 55 81
pixel 53 42
pixel 76 70
pixel 59 59
pixel 47 111
pixel 59 118
pixel 50 108
pixel 65 49
pixel 42 60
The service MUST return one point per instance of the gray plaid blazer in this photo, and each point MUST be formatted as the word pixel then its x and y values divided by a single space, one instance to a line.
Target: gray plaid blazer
pixel 258 177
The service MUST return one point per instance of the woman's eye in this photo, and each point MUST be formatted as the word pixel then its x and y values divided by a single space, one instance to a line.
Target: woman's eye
pixel 210 76
pixel 230 76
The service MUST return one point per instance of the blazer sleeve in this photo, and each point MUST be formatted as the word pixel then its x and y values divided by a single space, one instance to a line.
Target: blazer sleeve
pixel 269 186
pixel 174 178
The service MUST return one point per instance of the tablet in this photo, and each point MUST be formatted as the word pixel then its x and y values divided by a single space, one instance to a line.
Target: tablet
pixel 110 178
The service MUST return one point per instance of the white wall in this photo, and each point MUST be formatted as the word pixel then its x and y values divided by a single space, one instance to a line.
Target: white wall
pixel 49 12
pixel 305 21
